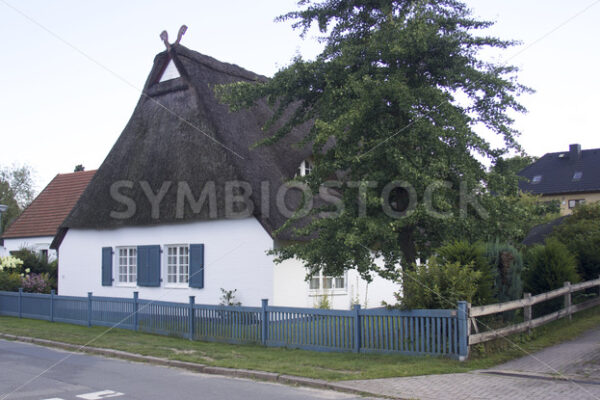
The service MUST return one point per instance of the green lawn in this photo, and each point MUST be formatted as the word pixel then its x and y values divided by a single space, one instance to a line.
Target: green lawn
pixel 329 366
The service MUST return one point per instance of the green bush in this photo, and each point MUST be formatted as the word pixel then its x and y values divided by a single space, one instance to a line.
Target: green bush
pixel 10 281
pixel 547 268
pixel 35 263
pixel 581 234
pixel 507 265
pixel 438 285
pixel 465 253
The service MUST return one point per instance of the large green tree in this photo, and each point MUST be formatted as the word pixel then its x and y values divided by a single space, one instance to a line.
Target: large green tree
pixel 16 191
pixel 395 101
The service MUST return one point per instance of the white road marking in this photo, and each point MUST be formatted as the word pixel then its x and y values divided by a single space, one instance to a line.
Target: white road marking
pixel 104 394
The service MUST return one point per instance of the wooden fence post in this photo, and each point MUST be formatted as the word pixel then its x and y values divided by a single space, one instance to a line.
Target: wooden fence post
pixel 191 317
pixel 89 309
pixel 527 311
pixel 463 329
pixel 52 293
pixel 136 317
pixel 21 302
pixel 357 338
pixel 568 300
pixel 264 325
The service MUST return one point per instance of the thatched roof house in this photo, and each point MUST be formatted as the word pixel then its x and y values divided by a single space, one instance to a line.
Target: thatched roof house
pixel 145 222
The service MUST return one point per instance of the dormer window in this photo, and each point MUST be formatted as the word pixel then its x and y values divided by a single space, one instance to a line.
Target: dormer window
pixel 577 175
pixel 536 179
pixel 170 72
pixel 305 168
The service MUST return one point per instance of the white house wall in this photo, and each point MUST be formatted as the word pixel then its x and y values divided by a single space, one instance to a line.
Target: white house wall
pixel 234 258
pixel 36 244
pixel 291 289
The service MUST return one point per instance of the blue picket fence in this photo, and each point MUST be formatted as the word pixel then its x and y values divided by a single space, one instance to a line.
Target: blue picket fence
pixel 417 332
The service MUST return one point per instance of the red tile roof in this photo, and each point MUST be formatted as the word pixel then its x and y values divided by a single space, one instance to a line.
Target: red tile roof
pixel 50 208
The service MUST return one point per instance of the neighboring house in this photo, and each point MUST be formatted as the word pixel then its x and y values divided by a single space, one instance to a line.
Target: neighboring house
pixel 184 205
pixel 571 177
pixel 35 228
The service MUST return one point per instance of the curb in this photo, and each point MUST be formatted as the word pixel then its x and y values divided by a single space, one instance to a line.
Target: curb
pixel 200 368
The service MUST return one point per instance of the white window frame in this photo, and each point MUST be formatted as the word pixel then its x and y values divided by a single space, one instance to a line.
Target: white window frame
pixel 305 167
pixel 575 203
pixel 180 283
pixel 334 282
pixel 131 269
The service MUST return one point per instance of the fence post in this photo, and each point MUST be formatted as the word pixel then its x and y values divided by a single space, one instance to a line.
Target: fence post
pixel 463 337
pixel 89 309
pixel 191 317
pixel 52 293
pixel 135 311
pixel 568 300
pixel 357 338
pixel 264 326
pixel 21 302
pixel 527 311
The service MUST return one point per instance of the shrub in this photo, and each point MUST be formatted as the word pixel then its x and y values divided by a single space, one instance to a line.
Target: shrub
pixel 35 263
pixel 10 281
pixel 548 267
pixel 438 285
pixel 323 302
pixel 228 298
pixel 36 283
pixel 10 277
pixel 507 265
pixel 581 234
pixel 465 253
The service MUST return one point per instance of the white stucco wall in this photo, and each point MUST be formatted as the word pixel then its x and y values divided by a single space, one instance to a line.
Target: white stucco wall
pixel 290 288
pixel 33 243
pixel 234 258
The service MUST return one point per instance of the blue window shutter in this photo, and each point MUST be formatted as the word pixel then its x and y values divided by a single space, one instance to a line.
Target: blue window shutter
pixel 197 266
pixel 107 264
pixel 148 266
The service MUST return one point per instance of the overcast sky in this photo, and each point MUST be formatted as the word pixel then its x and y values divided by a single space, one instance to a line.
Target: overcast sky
pixel 71 71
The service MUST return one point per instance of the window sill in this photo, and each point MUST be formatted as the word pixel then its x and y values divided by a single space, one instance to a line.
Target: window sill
pixel 177 286
pixel 326 292
pixel 127 285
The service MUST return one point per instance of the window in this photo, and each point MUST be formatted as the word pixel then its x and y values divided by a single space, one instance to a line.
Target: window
pixel 536 179
pixel 577 175
pixel 44 254
pixel 305 168
pixel 178 265
pixel 127 272
pixel 575 203
pixel 324 282
pixel 170 72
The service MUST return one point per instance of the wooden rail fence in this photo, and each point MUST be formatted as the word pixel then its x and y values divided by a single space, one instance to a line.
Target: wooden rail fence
pixel 526 303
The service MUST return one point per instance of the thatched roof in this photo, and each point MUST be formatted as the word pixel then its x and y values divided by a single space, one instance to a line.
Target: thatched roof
pixel 179 132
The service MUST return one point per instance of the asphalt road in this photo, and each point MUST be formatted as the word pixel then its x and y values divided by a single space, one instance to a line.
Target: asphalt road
pixel 33 372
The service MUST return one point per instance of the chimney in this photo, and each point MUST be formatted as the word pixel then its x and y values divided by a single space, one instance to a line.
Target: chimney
pixel 575 152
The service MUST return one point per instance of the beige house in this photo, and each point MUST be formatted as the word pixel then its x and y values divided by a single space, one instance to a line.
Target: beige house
pixel 571 177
